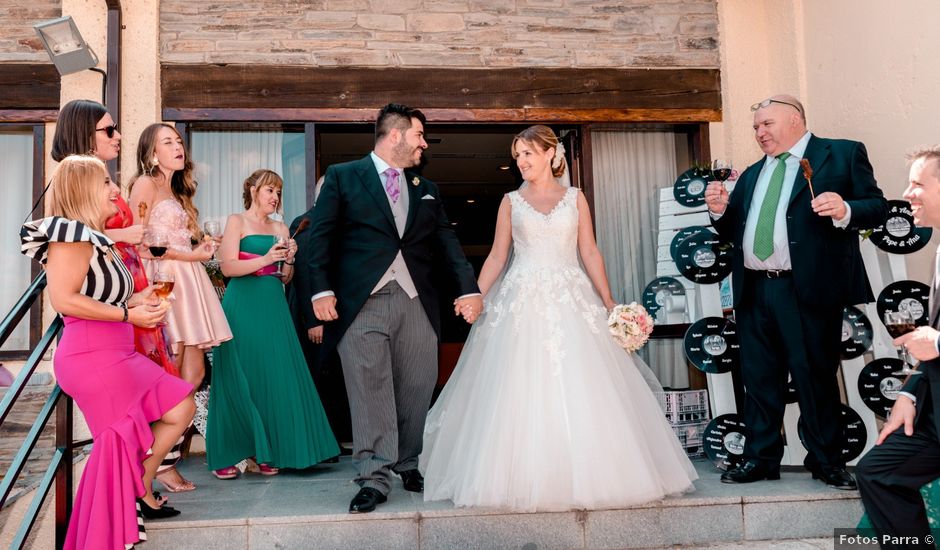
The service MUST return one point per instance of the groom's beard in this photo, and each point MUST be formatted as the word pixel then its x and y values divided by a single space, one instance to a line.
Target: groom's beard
pixel 405 155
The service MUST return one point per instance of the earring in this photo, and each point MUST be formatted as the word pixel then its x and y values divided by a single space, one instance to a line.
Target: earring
pixel 155 161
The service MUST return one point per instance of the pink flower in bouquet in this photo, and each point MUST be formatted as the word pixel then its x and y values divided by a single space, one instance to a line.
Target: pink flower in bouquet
pixel 630 325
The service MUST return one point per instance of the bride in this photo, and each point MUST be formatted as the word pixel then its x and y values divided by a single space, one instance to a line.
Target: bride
pixel 544 411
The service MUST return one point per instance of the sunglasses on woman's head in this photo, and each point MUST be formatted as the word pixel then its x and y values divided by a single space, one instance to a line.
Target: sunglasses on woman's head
pixel 108 130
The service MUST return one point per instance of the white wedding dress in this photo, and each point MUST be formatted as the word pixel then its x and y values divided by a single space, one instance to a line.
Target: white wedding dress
pixel 544 411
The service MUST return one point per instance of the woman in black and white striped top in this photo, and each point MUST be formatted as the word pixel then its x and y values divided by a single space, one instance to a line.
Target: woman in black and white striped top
pixel 134 409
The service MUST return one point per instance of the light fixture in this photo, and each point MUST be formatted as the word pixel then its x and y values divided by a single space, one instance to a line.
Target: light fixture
pixel 504 167
pixel 471 201
pixel 65 45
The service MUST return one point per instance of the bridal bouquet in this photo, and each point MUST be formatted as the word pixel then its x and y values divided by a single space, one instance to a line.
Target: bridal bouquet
pixel 630 325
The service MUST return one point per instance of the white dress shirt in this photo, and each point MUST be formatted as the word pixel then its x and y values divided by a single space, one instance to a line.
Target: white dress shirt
pixel 780 259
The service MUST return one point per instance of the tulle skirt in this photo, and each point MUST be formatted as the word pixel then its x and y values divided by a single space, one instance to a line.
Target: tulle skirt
pixel 545 412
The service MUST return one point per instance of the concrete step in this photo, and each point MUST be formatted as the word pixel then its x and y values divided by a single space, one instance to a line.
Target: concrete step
pixel 307 509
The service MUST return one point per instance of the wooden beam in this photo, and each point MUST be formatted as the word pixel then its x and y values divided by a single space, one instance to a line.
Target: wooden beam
pixel 559 115
pixel 302 87
pixel 29 86
pixel 28 115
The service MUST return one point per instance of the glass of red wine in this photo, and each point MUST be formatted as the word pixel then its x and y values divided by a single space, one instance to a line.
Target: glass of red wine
pixel 898 324
pixel 156 243
pixel 721 170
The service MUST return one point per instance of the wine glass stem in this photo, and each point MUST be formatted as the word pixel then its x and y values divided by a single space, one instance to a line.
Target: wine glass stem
pixel 905 358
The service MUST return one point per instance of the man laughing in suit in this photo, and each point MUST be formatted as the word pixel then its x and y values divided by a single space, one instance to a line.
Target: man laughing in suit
pixel 377 231
pixel 796 265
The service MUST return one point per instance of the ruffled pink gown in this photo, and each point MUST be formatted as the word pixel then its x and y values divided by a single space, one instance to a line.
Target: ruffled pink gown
pixel 196 317
pixel 119 391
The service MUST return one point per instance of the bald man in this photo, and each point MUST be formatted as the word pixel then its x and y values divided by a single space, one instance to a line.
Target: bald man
pixel 796 265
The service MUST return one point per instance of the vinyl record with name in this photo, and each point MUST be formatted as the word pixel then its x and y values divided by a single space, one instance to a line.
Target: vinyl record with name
pixel 724 441
pixel 704 259
pixel 898 234
pixel 689 189
pixel 711 344
pixel 856 333
pixel 856 436
pixel 684 234
pixel 912 296
pixel 655 294
pixel 878 387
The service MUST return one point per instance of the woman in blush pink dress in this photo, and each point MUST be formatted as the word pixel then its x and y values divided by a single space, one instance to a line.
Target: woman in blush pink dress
pixel 134 409
pixel 164 182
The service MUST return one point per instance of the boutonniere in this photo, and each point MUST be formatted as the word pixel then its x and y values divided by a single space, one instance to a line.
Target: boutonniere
pixel 415 181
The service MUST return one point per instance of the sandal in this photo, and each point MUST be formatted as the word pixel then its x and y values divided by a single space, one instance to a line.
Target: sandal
pixel 181 486
pixel 226 473
pixel 266 470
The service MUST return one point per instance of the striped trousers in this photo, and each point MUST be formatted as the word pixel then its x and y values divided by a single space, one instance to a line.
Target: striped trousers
pixel 389 355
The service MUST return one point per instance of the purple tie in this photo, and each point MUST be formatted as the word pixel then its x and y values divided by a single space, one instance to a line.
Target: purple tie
pixel 391 185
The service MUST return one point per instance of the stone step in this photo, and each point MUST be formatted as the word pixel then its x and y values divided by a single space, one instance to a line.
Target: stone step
pixel 307 509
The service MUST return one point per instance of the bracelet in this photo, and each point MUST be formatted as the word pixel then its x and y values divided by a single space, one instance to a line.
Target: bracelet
pixel 289 263
pixel 124 307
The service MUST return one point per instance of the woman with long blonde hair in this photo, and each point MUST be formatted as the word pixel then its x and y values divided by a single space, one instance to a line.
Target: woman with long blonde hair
pixel 134 409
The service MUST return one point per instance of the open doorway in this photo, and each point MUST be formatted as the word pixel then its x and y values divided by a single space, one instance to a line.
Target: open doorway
pixel 473 168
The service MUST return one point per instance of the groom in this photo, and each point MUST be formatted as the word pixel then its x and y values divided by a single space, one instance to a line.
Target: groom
pixel 377 232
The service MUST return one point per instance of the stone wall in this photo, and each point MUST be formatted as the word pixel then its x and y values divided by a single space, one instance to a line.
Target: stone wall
pixel 18 40
pixel 442 33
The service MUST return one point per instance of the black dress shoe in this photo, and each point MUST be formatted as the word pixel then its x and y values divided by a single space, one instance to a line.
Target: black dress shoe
pixel 366 500
pixel 835 476
pixel 750 472
pixel 412 480
pixel 157 513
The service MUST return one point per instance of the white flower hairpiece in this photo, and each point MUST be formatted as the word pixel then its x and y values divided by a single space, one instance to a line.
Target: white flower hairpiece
pixel 559 155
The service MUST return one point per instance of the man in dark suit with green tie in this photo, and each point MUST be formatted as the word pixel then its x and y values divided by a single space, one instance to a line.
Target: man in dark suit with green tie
pixel 891 474
pixel 796 265
pixel 377 231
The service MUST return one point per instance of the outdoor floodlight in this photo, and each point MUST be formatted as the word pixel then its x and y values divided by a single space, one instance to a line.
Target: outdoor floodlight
pixel 65 45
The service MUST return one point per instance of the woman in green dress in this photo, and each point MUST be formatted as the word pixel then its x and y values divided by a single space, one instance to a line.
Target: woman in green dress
pixel 262 402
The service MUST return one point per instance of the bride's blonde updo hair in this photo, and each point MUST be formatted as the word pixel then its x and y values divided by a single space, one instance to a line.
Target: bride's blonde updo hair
pixel 544 138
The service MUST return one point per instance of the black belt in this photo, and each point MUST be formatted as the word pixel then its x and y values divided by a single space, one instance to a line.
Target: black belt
pixel 772 273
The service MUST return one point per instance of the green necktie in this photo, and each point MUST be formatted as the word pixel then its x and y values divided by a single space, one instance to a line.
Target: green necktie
pixel 764 233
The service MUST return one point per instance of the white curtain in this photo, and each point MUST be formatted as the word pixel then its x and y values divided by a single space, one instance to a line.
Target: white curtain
pixel 225 158
pixel 16 158
pixel 629 168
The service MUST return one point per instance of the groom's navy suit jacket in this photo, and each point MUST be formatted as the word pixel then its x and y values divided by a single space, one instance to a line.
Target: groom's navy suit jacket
pixel 353 241
pixel 826 261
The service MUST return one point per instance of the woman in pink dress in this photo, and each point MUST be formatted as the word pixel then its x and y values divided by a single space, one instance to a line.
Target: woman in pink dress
pixel 134 410
pixel 86 127
pixel 164 182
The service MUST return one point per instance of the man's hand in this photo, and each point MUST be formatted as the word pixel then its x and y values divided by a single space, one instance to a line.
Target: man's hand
pixel 902 414
pixel 921 343
pixel 470 307
pixel 716 197
pixel 829 204
pixel 325 308
pixel 315 334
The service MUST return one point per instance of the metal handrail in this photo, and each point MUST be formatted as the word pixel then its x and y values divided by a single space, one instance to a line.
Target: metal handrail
pixel 60 468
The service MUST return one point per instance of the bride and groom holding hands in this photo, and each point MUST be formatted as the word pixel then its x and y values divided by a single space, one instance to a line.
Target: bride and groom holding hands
pixel 544 411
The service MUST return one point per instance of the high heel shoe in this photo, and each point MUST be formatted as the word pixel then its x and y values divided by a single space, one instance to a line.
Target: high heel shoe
pixel 172 486
pixel 267 470
pixel 226 473
pixel 156 513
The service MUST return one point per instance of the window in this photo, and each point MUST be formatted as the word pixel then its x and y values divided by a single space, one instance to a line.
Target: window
pixel 225 157
pixel 18 160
